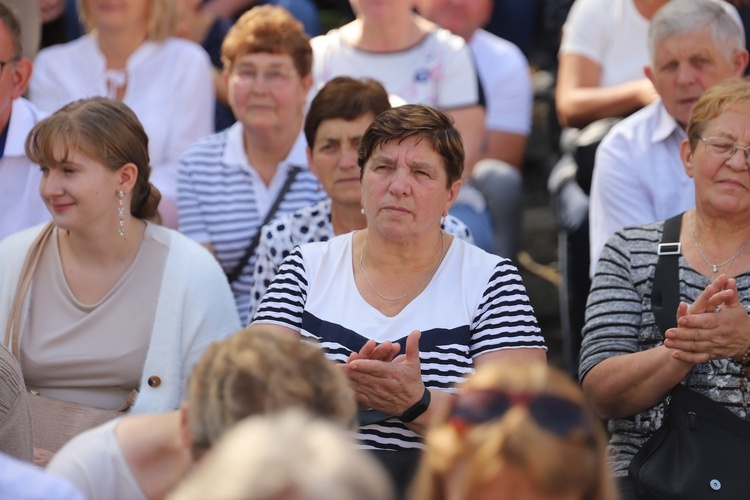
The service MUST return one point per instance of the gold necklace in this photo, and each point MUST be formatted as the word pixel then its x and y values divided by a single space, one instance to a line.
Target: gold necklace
pixel 362 268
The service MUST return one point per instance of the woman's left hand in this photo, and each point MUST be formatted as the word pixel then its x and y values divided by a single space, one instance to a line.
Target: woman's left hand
pixel 716 326
pixel 388 386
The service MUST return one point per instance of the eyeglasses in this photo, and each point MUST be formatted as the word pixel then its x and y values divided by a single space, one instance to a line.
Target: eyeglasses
pixel 560 416
pixel 276 78
pixel 9 61
pixel 721 147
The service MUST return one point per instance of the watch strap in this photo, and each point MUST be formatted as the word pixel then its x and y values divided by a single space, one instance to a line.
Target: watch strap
pixel 418 408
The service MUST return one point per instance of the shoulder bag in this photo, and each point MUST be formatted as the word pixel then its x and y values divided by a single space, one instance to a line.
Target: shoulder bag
pixel 54 422
pixel 701 451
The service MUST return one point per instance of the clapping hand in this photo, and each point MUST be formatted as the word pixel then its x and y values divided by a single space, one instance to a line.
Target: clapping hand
pixel 716 326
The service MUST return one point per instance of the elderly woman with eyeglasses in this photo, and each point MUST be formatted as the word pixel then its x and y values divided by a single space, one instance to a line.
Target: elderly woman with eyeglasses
pixel 631 358
pixel 233 182
pixel 516 430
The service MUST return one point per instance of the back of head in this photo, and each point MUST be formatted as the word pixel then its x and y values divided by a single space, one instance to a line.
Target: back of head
pixel 345 98
pixel 288 455
pixel 680 17
pixel 729 94
pixel 9 19
pixel 416 120
pixel 163 18
pixel 105 130
pixel 256 371
pixel 513 438
pixel 270 29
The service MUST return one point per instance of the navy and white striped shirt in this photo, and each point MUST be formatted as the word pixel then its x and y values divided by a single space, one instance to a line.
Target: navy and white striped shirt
pixel 474 304
pixel 222 200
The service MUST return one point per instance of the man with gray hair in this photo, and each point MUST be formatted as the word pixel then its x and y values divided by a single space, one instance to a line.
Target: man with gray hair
pixel 20 203
pixel 638 175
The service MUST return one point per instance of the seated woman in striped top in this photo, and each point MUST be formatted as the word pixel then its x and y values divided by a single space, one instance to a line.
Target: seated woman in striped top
pixel 631 360
pixel 362 293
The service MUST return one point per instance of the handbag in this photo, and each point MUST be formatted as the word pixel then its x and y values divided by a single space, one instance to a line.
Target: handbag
pixel 701 449
pixel 54 422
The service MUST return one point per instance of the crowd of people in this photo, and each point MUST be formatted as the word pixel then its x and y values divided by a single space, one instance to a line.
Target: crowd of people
pixel 243 258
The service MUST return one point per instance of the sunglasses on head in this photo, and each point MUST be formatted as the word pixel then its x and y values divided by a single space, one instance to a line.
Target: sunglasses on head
pixel 560 416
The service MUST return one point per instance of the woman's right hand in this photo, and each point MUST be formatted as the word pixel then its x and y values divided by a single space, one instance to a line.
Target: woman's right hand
pixel 716 326
pixel 42 457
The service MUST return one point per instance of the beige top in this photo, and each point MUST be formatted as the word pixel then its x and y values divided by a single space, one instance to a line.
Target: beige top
pixel 15 418
pixel 91 354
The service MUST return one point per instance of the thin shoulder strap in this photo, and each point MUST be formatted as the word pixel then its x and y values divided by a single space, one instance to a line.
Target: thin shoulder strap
pixel 665 292
pixel 250 250
pixel 13 327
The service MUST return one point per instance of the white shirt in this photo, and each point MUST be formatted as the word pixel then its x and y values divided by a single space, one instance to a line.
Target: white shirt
pixel 438 71
pixel 506 81
pixel 21 206
pixel 638 176
pixel 169 87
pixel 613 34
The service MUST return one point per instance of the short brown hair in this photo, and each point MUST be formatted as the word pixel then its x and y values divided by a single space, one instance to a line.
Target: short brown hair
pixel 257 371
pixel 162 20
pixel 714 102
pixel 11 23
pixel 105 130
pixel 345 98
pixel 270 29
pixel 416 120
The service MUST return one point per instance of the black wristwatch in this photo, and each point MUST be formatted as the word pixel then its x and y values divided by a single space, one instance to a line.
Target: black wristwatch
pixel 418 408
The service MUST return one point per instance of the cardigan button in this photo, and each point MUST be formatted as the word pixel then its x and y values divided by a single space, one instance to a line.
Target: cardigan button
pixel 154 381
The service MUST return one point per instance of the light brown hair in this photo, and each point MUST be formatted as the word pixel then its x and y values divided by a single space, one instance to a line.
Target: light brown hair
pixel 715 101
pixel 256 371
pixel 106 131
pixel 555 465
pixel 416 120
pixel 270 29
pixel 13 26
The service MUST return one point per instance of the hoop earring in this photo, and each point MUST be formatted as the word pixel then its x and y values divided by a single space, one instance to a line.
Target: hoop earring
pixel 121 213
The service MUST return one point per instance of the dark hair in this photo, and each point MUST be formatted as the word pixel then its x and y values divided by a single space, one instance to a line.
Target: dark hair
pixel 271 29
pixel 416 120
pixel 346 98
pixel 10 20
pixel 105 130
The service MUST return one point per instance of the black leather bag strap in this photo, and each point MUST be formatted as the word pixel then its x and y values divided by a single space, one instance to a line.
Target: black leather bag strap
pixel 237 271
pixel 665 292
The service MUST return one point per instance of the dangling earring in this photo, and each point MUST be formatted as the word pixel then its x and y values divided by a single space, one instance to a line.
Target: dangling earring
pixel 121 213
pixel 362 211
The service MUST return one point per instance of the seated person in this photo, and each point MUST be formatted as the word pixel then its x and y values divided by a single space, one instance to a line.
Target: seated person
pixel 20 203
pixel 15 418
pixel 630 362
pixel 106 307
pixel 291 455
pixel 419 63
pixel 365 294
pixel 506 81
pixel 639 177
pixel 516 431
pixel 334 125
pixel 132 57
pixel 145 456
pixel 232 183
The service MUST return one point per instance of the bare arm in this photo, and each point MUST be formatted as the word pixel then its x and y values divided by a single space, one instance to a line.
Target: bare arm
pixel 470 123
pixel 581 100
pixel 505 146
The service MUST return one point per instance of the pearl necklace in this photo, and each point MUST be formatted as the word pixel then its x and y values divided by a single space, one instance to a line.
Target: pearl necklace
pixel 714 267
pixel 361 267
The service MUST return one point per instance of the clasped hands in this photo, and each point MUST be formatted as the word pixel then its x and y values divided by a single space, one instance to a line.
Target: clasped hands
pixel 715 326
pixel 382 379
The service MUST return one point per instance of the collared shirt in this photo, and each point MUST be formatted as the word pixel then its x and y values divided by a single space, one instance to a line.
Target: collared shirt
pixel 21 206
pixel 222 199
pixel 638 176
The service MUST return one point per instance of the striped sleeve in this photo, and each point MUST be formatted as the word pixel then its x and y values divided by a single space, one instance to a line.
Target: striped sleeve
pixel 614 308
pixel 505 318
pixel 284 301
